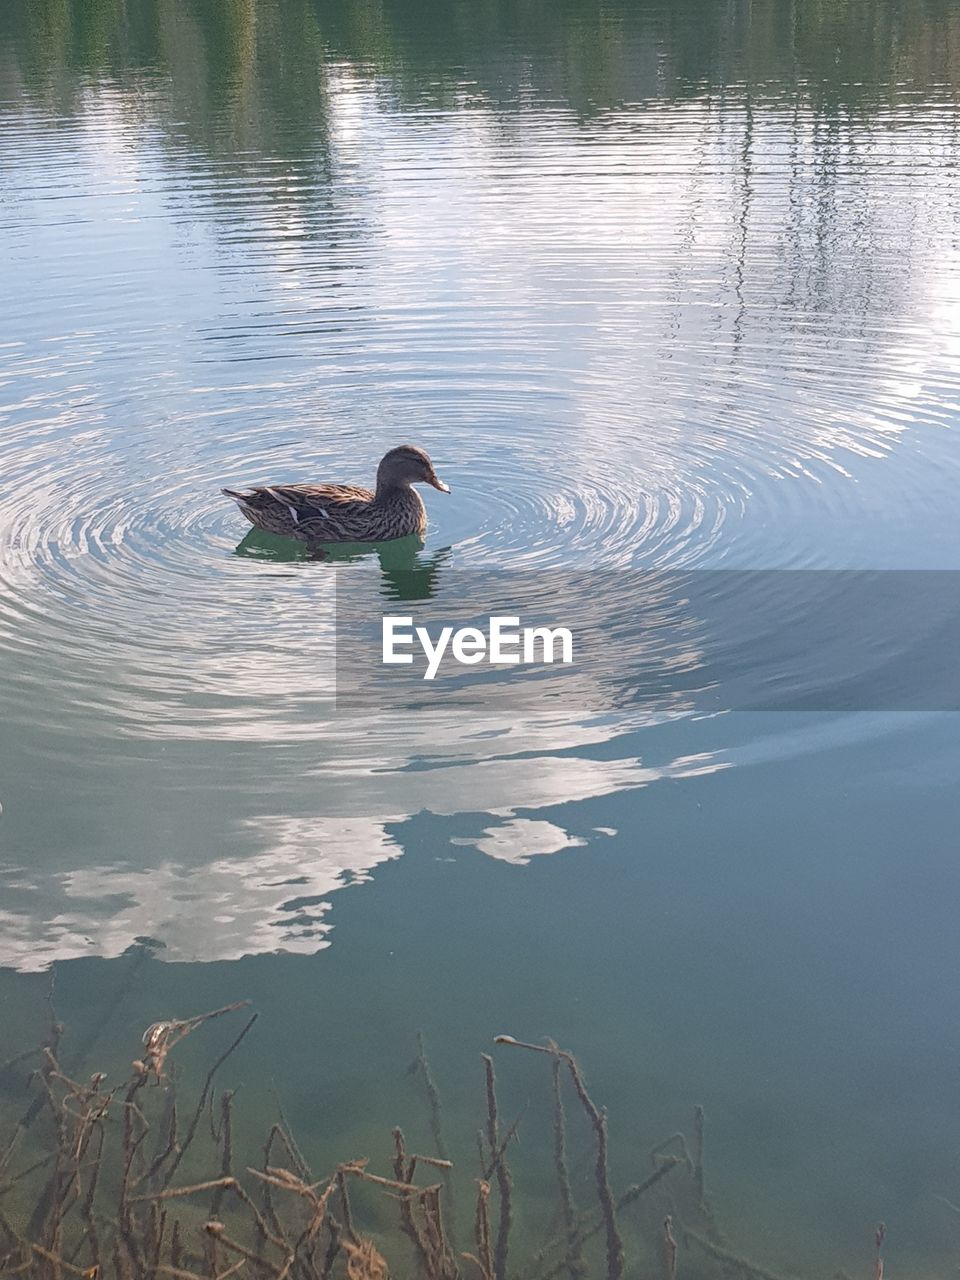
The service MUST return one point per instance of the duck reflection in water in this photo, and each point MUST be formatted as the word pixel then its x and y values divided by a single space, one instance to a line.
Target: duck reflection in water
pixel 406 576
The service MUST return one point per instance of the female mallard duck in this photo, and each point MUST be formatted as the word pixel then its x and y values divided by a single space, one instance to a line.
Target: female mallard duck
pixel 318 513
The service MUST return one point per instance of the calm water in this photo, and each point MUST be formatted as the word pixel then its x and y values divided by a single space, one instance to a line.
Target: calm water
pixel 659 286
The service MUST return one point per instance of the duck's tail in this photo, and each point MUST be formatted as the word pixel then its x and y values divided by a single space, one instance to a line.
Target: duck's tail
pixel 237 497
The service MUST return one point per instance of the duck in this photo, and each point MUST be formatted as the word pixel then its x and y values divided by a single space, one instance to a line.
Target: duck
pixel 319 513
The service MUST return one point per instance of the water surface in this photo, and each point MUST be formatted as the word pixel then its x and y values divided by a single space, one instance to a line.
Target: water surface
pixel 660 286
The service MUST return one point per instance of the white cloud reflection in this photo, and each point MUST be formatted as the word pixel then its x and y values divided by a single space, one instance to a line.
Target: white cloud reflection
pixel 521 839
pixel 279 899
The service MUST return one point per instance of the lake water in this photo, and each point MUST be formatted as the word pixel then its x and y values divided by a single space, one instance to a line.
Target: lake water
pixel 663 287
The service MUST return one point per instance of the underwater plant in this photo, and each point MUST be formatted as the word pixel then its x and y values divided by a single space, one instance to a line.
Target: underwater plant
pixel 93 1184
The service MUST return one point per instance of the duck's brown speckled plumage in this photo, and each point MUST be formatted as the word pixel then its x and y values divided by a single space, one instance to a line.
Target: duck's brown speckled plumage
pixel 318 513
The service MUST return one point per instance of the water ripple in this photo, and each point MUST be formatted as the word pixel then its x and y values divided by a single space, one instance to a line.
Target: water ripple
pixel 628 342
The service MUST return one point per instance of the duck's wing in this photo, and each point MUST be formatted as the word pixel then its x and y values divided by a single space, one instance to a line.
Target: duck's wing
pixel 304 501
pixel 319 499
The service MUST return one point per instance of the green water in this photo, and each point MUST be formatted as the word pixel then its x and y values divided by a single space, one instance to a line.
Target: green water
pixel 658 286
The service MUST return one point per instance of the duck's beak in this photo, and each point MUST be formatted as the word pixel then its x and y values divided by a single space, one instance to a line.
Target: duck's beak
pixel 438 483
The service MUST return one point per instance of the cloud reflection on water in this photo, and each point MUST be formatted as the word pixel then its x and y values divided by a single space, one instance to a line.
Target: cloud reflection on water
pixel 279 899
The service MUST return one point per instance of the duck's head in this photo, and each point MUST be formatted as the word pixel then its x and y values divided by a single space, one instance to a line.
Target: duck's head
pixel 407 465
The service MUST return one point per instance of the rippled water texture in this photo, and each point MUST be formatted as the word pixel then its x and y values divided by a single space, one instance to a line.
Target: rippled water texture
pixel 659 286
pixel 686 328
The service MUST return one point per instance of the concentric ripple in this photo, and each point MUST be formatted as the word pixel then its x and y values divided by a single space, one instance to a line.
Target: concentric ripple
pixel 624 340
